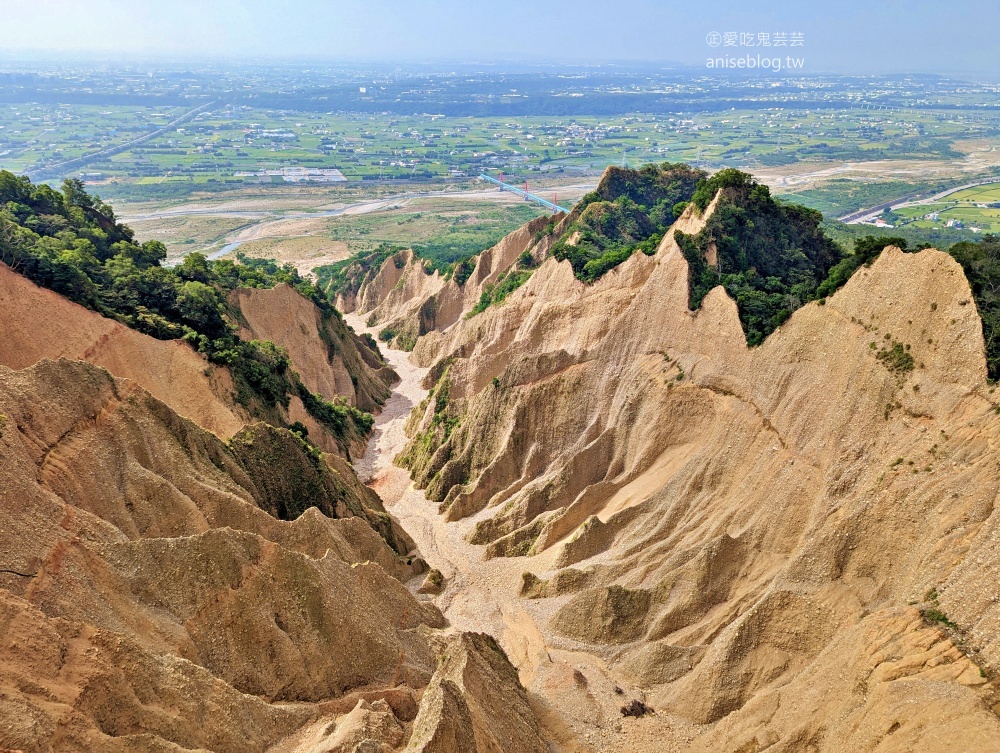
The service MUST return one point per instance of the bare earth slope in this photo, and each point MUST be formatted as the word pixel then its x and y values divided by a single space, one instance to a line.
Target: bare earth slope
pixel 149 603
pixel 401 296
pixel 346 366
pixel 331 360
pixel 38 323
pixel 793 546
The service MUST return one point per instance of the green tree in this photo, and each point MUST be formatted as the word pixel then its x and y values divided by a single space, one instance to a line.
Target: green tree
pixel 981 263
pixel 200 308
pixel 771 257
pixel 149 254
pixel 194 267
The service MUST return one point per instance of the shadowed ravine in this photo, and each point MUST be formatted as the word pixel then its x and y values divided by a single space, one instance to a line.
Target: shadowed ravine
pixel 481 595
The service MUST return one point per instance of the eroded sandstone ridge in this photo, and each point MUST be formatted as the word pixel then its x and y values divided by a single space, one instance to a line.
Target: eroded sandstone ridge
pixel 39 323
pixel 331 361
pixel 152 601
pixel 163 589
pixel 794 546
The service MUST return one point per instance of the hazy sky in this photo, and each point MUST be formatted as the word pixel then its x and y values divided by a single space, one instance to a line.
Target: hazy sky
pixel 847 35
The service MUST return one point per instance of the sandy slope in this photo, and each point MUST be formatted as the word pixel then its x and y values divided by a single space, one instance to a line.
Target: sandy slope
pixel 167 608
pixel 750 535
pixel 38 323
pixel 330 360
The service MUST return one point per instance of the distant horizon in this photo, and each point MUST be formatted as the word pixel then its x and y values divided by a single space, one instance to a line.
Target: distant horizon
pixel 850 37
pixel 442 66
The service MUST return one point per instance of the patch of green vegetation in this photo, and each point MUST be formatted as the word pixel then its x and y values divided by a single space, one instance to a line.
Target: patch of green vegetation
pixel 519 543
pixel 933 613
pixel 630 210
pixel 261 372
pixel 407 341
pixel 841 196
pixel 404 340
pixel 896 358
pixel 526 260
pixel 463 270
pixel 288 475
pixel 444 421
pixel 464 240
pixel 441 395
pixel 168 189
pixel 342 420
pixel 507 283
pixel 770 257
pixel 916 237
pixel 287 471
pixel 297 427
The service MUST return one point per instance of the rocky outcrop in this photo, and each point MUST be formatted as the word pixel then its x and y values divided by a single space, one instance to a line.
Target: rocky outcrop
pixel 890 682
pixel 331 360
pixel 370 727
pixel 459 711
pixel 403 299
pixel 288 476
pixel 726 525
pixel 152 599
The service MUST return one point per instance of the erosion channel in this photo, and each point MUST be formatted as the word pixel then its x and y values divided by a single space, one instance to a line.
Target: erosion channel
pixel 571 690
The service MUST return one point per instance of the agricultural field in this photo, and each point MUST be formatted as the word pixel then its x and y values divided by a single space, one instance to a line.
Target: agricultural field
pixel 239 145
pixel 307 166
pixel 977 209
pixel 31 135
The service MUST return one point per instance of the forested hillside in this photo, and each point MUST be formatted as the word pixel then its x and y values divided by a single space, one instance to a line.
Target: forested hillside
pixel 771 256
pixel 71 242
pixel 629 210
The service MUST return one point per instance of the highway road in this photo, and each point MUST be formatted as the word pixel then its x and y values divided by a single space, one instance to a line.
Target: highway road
pixel 60 169
pixel 910 201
